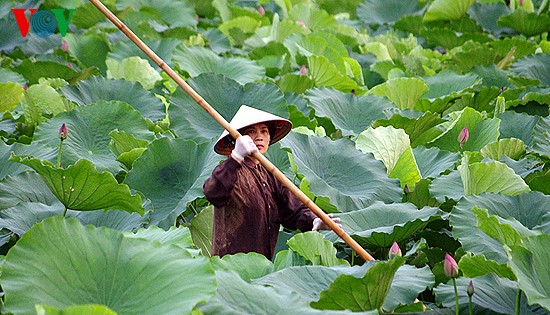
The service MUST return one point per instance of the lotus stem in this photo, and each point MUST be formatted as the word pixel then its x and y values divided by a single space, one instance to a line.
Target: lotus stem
pixel 456 297
pixel 59 153
pixel 65 212
pixel 470 304
pixel 518 300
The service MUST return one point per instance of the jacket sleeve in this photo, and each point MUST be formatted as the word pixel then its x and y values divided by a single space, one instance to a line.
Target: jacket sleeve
pixel 217 188
pixel 293 213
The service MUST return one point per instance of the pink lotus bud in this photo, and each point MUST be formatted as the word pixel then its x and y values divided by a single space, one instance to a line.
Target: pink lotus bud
pixel 25 87
pixel 395 250
pixel 501 89
pixel 406 189
pixel 301 23
pixel 65 46
pixel 261 10
pixel 520 2
pixel 450 268
pixel 70 65
pixel 63 132
pixel 303 70
pixel 470 289
pixel 463 136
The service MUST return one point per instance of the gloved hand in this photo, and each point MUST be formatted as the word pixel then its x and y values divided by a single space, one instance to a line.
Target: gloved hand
pixel 318 224
pixel 244 146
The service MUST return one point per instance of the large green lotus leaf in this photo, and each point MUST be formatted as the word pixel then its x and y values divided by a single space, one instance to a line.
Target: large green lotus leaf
pixel 295 83
pixel 494 177
pixel 386 12
pixel 518 125
pixel 447 82
pixel 133 69
pixel 533 66
pixel 335 169
pixel 175 13
pixel 41 99
pixel 89 127
pixel 511 147
pixel 197 60
pixel 314 248
pixel 433 161
pixel 249 266
pixel 541 137
pixel 529 260
pixel 113 219
pixel 25 187
pixel 408 282
pixel 530 209
pixel 360 294
pixel 33 71
pixel 6 166
pixel 177 236
pixel 82 187
pixel 487 14
pixel 447 10
pixel 99 88
pixel 491 292
pixel 21 217
pixel 481 132
pixel 11 94
pixel 90 309
pixel 526 23
pixel 81 46
pixel 191 121
pixel 171 173
pixel 421 130
pixel 308 281
pixel 403 92
pixel 325 73
pixel 201 230
pixel 448 186
pixel 391 146
pixel 6 75
pixel 60 262
pixel 313 18
pixel 351 114
pixel 382 224
pixel 163 48
pixel 236 296
pixel 478 265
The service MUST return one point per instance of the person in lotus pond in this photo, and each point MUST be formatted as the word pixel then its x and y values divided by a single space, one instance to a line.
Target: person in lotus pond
pixel 250 204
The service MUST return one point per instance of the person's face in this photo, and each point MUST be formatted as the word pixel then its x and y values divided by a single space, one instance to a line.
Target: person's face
pixel 260 135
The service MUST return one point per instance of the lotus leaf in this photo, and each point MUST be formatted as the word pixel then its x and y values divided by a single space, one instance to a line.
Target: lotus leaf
pixel 82 187
pixel 98 88
pixel 170 173
pixel 529 261
pixel 382 224
pixel 529 209
pixel 59 262
pixel 335 169
pixel 360 111
pixel 360 294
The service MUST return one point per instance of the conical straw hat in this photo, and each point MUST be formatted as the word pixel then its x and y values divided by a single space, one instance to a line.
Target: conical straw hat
pixel 248 116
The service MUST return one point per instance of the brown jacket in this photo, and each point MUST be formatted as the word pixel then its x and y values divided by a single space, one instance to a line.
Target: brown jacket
pixel 249 206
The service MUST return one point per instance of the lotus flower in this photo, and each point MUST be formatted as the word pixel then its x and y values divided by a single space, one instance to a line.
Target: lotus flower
pixel 301 22
pixel 65 46
pixel 463 136
pixel 303 70
pixel 450 268
pixel 63 132
pixel 395 250
pixel 470 290
pixel 261 10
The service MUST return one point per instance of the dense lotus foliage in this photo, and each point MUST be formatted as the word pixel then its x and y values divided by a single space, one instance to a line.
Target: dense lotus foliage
pixel 423 124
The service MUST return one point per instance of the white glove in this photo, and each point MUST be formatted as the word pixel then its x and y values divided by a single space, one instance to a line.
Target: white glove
pixel 318 224
pixel 244 146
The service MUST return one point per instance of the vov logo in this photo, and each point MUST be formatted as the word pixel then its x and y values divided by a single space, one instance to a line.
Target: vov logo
pixel 43 23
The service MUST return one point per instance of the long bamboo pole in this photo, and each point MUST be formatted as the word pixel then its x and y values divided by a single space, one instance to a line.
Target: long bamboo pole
pixel 232 131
